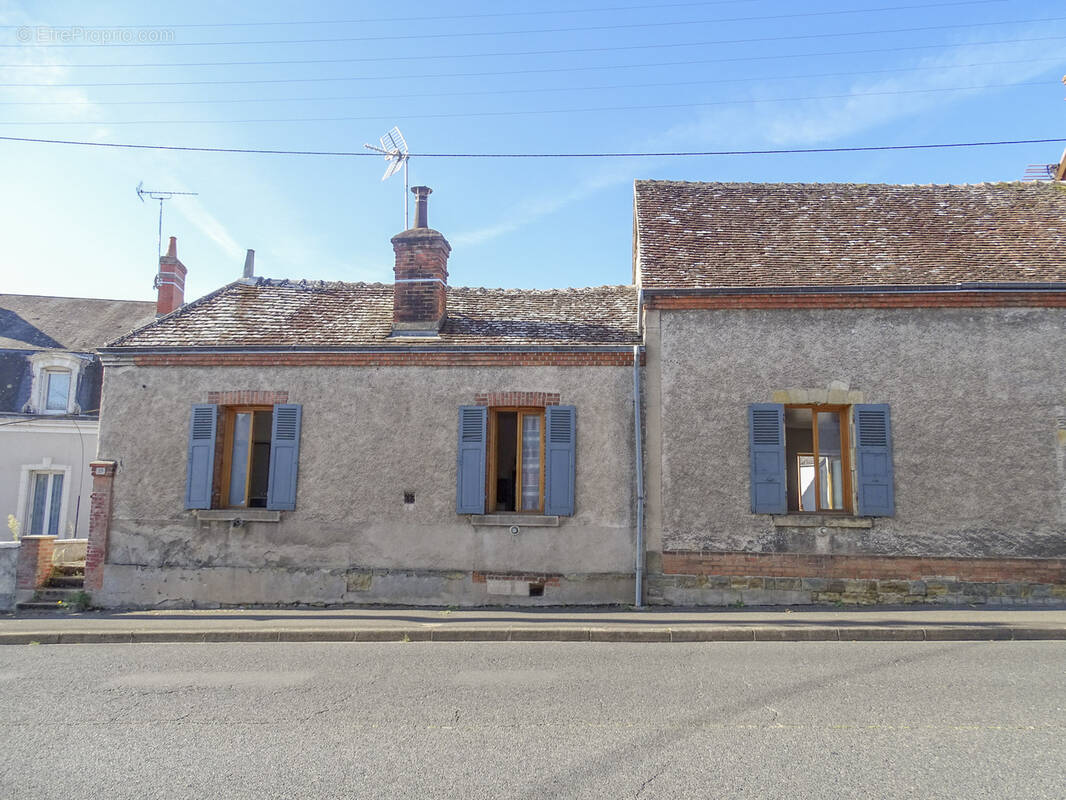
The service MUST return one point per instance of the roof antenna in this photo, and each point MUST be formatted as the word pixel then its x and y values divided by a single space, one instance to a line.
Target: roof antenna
pixel 155 194
pixel 394 148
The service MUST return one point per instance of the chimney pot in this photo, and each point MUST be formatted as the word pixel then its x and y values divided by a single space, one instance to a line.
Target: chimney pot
pixel 249 264
pixel 421 194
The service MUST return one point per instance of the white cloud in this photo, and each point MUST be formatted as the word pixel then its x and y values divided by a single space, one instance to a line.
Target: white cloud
pixel 205 222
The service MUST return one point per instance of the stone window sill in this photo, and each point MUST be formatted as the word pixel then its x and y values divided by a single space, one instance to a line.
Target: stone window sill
pixel 235 514
pixel 507 520
pixel 821 521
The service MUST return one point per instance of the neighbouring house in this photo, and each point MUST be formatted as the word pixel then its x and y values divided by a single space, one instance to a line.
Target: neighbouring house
pixel 49 406
pixel 850 393
pixel 855 392
pixel 284 441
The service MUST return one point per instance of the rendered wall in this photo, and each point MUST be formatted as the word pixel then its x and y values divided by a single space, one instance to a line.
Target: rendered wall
pixel 68 444
pixel 369 435
pixel 978 410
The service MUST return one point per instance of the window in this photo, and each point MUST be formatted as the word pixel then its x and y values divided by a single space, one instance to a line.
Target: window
pixel 516 460
pixel 55 382
pixel 46 503
pixel 57 390
pixel 245 456
pixel 256 450
pixel 803 459
pixel 817 458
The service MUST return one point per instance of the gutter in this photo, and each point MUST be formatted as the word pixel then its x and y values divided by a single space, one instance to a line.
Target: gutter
pixel 852 289
pixel 374 350
pixel 638 439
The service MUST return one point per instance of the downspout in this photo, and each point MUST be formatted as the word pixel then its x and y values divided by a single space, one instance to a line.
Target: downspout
pixel 639 589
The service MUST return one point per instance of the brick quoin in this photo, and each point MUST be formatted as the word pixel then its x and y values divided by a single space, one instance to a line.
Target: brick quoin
pixel 794 565
pixel 989 299
pixel 541 359
pixel 524 399
pixel 247 397
pixel 103 475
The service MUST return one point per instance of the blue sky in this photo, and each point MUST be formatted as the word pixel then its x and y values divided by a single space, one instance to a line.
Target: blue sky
pixel 477 77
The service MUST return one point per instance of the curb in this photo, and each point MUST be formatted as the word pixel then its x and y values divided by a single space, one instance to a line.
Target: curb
pixel 810 633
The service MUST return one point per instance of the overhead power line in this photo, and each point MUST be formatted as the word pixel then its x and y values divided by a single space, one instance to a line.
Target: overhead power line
pixel 668 154
pixel 437 18
pixel 523 32
pixel 296 61
pixel 528 112
pixel 515 91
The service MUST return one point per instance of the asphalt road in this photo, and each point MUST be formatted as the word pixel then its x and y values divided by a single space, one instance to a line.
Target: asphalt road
pixel 534 720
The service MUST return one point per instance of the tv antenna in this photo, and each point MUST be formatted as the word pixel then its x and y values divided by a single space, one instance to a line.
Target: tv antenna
pixel 394 148
pixel 155 194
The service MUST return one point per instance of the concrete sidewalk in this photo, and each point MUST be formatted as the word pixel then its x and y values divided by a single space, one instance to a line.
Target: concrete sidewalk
pixel 545 625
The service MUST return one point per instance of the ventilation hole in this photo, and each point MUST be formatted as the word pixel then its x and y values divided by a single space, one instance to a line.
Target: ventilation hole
pixel 536 590
pixel 409 498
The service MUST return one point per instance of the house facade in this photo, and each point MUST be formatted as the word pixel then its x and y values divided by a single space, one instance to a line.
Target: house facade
pixel 856 393
pixel 307 442
pixel 847 393
pixel 50 382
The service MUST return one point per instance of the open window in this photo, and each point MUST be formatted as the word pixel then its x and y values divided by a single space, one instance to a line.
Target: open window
pixel 804 460
pixel 243 457
pixel 246 436
pixel 817 458
pixel 516 460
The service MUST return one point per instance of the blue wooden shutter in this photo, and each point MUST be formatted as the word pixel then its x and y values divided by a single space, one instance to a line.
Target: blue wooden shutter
pixel 284 457
pixel 766 439
pixel 559 451
pixel 873 461
pixel 200 467
pixel 470 461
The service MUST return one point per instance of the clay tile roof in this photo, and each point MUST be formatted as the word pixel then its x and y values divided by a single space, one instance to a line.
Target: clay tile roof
pixel 314 314
pixel 710 235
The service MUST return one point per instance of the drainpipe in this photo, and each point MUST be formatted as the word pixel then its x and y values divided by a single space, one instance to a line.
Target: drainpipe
pixel 640 478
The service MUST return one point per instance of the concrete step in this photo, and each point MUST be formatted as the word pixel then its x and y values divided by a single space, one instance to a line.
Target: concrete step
pixel 33 605
pixel 66 582
pixel 53 596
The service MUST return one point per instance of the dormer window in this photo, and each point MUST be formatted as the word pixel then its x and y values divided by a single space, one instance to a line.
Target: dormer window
pixel 55 383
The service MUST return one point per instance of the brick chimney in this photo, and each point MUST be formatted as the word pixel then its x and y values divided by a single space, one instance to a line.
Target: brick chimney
pixel 170 281
pixel 420 292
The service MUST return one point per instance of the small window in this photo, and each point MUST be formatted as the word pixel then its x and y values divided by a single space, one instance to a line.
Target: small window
pixel 57 390
pixel 516 460
pixel 243 456
pixel 803 459
pixel 46 503
pixel 246 456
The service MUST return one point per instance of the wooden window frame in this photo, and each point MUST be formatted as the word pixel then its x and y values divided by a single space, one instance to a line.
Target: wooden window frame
pixel 491 457
pixel 846 454
pixel 227 424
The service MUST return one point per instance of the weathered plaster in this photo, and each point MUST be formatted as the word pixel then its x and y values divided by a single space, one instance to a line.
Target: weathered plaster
pixel 9 555
pixel 369 435
pixel 973 395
